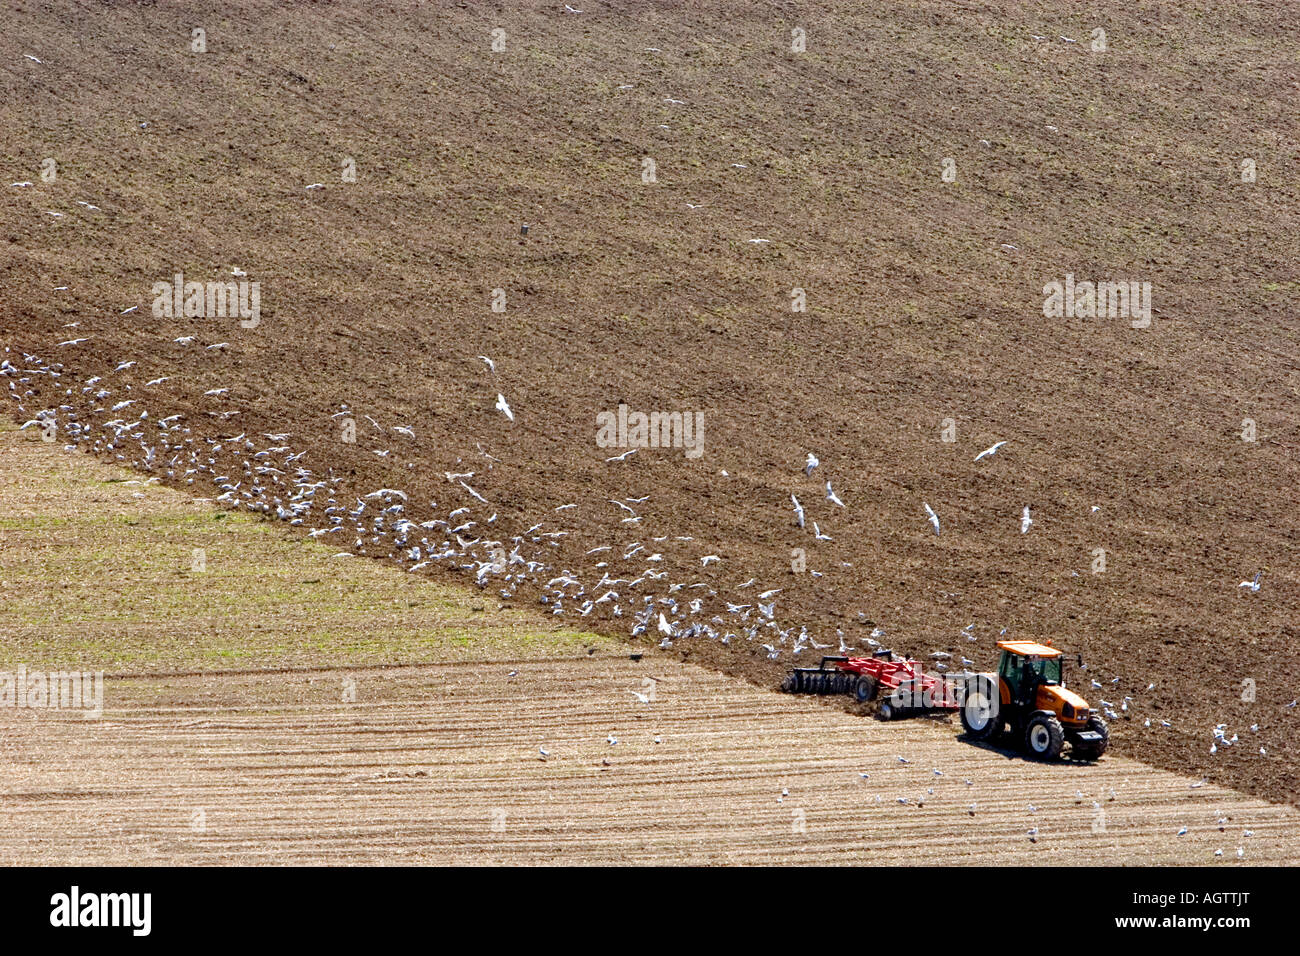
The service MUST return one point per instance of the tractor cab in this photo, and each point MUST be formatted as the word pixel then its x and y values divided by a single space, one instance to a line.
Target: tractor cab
pixel 1025 665
pixel 1030 674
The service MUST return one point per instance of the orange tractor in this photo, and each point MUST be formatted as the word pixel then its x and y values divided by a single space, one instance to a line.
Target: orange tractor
pixel 1028 696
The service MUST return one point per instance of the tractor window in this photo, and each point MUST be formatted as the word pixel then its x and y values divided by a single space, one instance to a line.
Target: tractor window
pixel 1048 671
pixel 1010 666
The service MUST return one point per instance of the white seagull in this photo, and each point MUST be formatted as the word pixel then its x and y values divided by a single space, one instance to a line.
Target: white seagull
pixel 990 451
pixel 798 511
pixel 934 518
pixel 504 407
pixel 832 497
pixel 810 464
pixel 1253 585
pixel 1025 520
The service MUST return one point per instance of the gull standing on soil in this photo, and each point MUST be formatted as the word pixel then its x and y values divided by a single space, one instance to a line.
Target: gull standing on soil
pixel 1252 585
pixel 1025 520
pixel 798 511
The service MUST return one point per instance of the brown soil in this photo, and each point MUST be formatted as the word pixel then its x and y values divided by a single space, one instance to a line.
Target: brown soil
pixel 924 300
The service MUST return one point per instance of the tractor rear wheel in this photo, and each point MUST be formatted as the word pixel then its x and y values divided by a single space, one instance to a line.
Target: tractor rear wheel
pixel 1044 737
pixel 1093 751
pixel 865 688
pixel 981 710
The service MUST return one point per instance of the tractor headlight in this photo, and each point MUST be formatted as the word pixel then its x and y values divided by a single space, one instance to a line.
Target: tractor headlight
pixel 1067 711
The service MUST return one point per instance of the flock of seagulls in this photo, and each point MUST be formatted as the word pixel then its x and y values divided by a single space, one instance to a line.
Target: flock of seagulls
pixel 263 473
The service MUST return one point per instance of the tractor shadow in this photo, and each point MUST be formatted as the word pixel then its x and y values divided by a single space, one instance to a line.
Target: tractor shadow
pixel 1006 747
pixel 1004 744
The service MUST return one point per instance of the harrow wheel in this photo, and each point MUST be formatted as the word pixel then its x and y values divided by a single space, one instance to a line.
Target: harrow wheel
pixel 864 689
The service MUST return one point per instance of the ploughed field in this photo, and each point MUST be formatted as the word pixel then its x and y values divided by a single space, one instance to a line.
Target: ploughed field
pixel 924 321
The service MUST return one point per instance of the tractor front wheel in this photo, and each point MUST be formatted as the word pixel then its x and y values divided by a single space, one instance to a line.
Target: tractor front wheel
pixel 1094 751
pixel 1044 737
